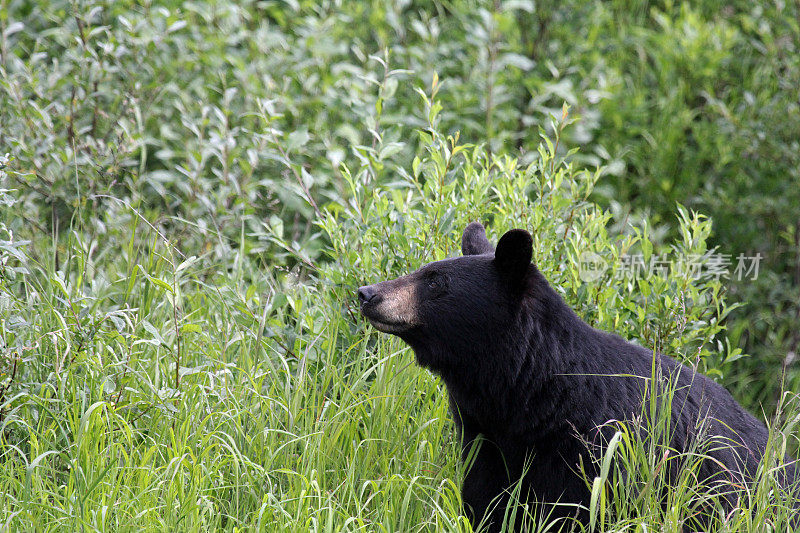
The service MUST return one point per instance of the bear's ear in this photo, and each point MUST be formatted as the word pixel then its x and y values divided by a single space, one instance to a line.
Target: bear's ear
pixel 474 241
pixel 513 254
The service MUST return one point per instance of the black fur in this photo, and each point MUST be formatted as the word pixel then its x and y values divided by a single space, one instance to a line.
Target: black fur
pixel 535 382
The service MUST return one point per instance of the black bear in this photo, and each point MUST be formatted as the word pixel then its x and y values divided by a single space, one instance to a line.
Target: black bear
pixel 533 383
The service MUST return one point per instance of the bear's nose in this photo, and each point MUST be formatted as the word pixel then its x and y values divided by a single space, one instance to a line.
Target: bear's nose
pixel 366 293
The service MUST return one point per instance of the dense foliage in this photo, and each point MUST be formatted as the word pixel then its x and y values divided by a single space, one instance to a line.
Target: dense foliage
pixel 191 193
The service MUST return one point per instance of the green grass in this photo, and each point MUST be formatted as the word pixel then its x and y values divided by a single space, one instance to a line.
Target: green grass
pixel 322 435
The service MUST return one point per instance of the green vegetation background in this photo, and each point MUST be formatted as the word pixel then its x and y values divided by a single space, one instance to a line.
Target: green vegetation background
pixel 191 192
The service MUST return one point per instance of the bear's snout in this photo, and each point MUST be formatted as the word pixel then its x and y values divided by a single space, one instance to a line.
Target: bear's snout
pixel 366 294
pixel 389 305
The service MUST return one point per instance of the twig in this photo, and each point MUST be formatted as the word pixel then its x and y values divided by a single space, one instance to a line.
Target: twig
pixel 5 388
pixel 490 79
pixel 124 374
pixel 177 333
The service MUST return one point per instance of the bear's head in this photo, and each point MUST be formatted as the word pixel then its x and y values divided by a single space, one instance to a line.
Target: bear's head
pixel 463 305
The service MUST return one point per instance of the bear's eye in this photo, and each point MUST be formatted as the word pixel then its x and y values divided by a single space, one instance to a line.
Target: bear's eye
pixel 435 281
